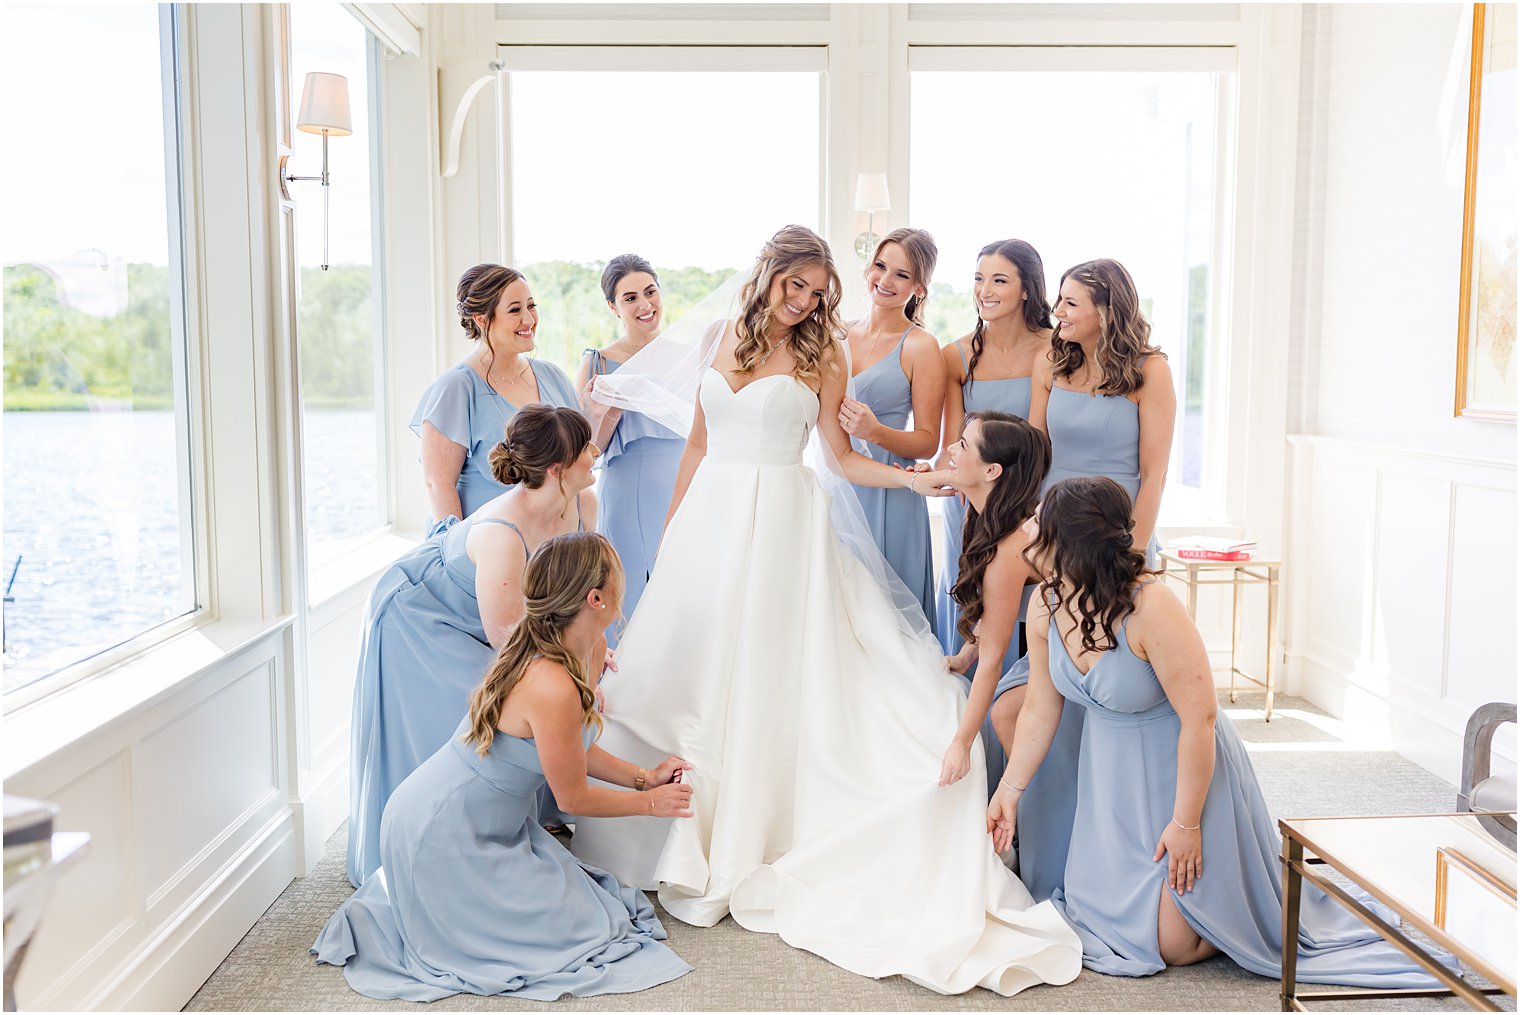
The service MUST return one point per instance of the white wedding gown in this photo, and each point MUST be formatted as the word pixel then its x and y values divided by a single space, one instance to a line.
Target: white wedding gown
pixel 763 653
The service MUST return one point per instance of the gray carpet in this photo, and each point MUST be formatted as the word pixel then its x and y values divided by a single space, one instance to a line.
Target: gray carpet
pixel 1305 770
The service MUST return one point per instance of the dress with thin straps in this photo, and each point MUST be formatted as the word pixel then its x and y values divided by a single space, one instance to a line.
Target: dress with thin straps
pixel 476 897
pixel 1125 794
pixel 899 518
pixel 424 651
pixel 638 478
pixel 1010 395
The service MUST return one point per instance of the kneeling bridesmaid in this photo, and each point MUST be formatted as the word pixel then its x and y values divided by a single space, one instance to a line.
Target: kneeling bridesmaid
pixel 473 895
pixel 1174 856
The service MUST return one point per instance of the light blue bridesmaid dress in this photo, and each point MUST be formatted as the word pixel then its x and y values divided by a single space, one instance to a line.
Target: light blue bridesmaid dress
pixel 899 519
pixel 424 652
pixel 1010 395
pixel 474 896
pixel 1090 435
pixel 639 466
pixel 1095 435
pixel 469 412
pixel 1126 789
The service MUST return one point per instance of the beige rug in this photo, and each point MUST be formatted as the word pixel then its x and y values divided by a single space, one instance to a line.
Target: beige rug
pixel 1304 767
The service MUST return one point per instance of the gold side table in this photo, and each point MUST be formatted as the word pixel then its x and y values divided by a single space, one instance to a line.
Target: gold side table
pixel 1193 574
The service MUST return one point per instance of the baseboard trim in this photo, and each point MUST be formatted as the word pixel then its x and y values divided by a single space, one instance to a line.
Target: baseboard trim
pixel 324 807
pixel 178 956
pixel 1429 742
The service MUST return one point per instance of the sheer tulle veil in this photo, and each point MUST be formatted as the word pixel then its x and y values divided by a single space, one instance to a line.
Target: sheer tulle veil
pixel 662 381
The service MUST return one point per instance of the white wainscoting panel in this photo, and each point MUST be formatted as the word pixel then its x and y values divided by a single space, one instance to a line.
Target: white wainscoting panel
pixel 192 837
pixel 95 904
pixel 1480 654
pixel 204 774
pixel 1401 592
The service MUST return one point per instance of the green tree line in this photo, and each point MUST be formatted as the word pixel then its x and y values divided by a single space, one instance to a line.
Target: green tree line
pixel 60 357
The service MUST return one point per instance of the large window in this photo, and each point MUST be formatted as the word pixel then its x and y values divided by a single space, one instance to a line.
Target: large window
pixel 98 546
pixel 339 313
pixel 673 164
pixel 1087 163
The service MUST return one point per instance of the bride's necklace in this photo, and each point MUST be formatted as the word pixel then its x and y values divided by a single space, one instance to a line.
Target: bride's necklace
pixel 766 358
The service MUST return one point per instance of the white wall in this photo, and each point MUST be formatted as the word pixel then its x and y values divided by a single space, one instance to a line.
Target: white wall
pixel 210 767
pixel 1402 559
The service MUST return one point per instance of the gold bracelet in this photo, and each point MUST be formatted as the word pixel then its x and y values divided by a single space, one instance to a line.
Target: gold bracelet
pixel 640 779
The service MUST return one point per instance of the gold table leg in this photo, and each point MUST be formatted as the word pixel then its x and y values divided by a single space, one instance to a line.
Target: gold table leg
pixel 1293 887
pixel 1272 650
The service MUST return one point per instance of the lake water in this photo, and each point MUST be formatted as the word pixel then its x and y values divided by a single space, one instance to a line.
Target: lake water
pixel 92 506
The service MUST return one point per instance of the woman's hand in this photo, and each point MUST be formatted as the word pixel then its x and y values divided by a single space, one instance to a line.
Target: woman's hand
pixel 1183 849
pixel 956 764
pixel 857 419
pixel 672 800
pixel 962 660
pixel 669 771
pixel 1002 817
pixel 610 662
pixel 934 484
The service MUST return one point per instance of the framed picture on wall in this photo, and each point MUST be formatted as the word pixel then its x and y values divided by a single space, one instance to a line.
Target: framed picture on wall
pixel 1486 329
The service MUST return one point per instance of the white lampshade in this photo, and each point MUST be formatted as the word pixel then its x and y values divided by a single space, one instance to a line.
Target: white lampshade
pixel 324 105
pixel 871 192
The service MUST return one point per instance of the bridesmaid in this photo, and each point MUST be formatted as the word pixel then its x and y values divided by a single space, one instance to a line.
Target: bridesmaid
pixel 437 614
pixel 461 415
pixel 1104 394
pixel 990 369
pixel 476 897
pixel 640 457
pixel 998 465
pixel 1179 854
pixel 906 379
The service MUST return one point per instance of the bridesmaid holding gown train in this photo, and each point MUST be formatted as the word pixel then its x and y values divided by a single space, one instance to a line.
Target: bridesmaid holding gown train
pixel 905 381
pixel 990 369
pixel 436 616
pixel 999 466
pixel 640 457
pixel 461 415
pixel 1104 396
pixel 1179 857
pixel 474 896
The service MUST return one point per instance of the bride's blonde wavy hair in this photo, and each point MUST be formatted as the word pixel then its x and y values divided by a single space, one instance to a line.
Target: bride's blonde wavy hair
pixel 790 251
pixel 559 576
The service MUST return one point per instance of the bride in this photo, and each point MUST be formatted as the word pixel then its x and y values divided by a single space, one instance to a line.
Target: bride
pixel 815 717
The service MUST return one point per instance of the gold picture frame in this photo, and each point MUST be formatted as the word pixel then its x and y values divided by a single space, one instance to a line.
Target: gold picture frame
pixel 1486 328
pixel 1476 907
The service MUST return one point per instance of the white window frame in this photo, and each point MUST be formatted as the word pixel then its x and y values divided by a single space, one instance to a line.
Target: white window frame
pixel 661 57
pixel 189 424
pixel 1258 161
pixel 1181 506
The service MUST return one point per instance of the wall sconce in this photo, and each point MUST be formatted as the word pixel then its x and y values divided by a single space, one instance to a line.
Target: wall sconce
pixel 324 110
pixel 870 197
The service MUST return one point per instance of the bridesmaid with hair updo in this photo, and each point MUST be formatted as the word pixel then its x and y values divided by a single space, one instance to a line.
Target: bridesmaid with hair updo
pixel 899 376
pixel 640 457
pixel 461 415
pixel 474 896
pixel 437 615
